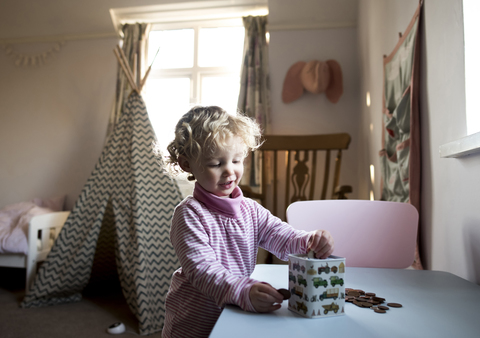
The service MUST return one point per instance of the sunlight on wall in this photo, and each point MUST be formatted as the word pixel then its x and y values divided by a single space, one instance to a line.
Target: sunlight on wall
pixel 372 179
pixel 372 174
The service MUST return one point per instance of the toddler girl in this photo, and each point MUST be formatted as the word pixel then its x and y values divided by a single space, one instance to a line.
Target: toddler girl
pixel 216 232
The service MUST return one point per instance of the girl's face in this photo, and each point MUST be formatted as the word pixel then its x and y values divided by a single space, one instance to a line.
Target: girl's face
pixel 221 173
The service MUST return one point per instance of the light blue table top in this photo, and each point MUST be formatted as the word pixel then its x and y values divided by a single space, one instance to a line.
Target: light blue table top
pixel 435 304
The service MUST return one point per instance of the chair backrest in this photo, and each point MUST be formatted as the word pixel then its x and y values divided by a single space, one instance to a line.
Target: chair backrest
pixel 290 166
pixel 375 234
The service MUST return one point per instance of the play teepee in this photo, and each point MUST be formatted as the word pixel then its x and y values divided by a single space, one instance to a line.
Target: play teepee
pixel 125 209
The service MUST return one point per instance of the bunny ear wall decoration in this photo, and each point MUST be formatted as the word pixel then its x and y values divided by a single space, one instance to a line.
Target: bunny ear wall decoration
pixel 314 76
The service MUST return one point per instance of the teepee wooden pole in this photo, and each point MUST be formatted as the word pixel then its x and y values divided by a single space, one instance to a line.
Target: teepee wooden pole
pixel 125 69
pixel 134 72
pixel 142 82
pixel 127 65
pixel 122 59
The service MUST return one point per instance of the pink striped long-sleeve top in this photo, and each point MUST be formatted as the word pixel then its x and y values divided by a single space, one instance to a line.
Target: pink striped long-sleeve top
pixel 216 241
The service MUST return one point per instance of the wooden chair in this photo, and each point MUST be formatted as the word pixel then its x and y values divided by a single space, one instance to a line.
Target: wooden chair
pixel 290 167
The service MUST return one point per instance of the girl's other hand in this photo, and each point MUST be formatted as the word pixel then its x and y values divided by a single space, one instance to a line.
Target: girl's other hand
pixel 265 298
pixel 321 242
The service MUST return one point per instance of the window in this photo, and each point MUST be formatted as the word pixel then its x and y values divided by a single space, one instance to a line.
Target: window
pixel 471 12
pixel 469 144
pixel 199 60
pixel 198 64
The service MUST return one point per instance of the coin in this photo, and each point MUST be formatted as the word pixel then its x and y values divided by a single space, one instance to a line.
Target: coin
pixel 368 299
pixel 394 305
pixel 285 293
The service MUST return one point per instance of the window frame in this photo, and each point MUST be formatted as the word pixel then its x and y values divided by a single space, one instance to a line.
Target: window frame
pixel 195 73
pixel 469 144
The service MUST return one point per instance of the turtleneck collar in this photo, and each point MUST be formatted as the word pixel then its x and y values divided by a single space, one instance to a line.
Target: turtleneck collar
pixel 229 207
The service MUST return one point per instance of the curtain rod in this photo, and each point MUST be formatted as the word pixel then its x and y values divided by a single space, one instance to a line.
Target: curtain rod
pixel 309 26
pixel 57 38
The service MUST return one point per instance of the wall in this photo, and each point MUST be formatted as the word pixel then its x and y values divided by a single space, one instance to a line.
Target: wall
pixel 450 221
pixel 53 119
pixel 308 35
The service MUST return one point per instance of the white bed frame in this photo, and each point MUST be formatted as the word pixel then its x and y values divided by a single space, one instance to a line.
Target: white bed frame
pixel 42 232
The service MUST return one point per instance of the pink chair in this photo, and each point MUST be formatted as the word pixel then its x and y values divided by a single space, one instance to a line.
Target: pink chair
pixel 373 234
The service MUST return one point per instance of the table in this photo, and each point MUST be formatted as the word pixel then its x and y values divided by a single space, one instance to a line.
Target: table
pixel 435 304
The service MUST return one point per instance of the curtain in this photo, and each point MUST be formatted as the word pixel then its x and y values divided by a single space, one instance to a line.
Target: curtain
pixel 134 46
pixel 254 97
pixel 400 157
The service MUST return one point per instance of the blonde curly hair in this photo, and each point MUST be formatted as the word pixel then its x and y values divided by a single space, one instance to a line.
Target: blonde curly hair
pixel 203 130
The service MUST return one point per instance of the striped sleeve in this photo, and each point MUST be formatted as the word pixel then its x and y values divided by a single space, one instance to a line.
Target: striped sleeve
pixel 200 264
pixel 279 237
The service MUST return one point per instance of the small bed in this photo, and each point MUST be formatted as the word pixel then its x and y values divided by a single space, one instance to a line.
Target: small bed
pixel 27 233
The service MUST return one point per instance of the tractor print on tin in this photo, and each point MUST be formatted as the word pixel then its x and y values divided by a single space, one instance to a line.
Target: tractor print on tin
pixel 322 268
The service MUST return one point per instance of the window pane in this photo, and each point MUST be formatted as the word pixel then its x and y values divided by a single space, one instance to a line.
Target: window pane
pixel 176 48
pixel 167 100
pixel 221 91
pixel 221 47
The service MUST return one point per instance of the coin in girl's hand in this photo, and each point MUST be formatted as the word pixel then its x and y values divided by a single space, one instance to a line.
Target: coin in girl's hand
pixel 285 293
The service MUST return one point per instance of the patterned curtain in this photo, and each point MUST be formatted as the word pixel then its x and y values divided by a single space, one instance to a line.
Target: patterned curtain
pixel 135 39
pixel 254 98
pixel 400 157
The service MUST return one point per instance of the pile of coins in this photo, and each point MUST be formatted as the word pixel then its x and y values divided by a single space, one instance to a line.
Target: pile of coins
pixel 368 300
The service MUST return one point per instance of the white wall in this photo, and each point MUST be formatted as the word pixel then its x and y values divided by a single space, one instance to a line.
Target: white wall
pixel 450 217
pixel 314 114
pixel 53 120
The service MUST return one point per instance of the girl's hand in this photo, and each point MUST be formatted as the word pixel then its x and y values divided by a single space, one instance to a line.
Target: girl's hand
pixel 321 242
pixel 265 298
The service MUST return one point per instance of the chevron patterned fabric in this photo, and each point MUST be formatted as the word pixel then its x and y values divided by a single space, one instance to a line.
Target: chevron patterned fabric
pixel 132 201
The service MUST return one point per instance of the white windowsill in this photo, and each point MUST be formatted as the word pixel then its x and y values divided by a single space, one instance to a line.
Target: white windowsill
pixel 462 147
